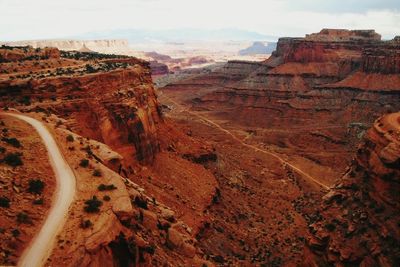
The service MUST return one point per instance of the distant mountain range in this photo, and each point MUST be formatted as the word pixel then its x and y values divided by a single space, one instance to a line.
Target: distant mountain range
pixel 177 35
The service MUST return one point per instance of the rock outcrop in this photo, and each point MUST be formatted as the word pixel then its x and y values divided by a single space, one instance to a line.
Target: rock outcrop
pixel 13 54
pixel 104 113
pixel 345 79
pixel 340 35
pixel 101 46
pixel 258 48
pixel 357 223
pixel 112 102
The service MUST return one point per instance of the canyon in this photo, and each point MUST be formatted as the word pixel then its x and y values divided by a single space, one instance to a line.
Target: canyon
pixel 289 161
pixel 311 103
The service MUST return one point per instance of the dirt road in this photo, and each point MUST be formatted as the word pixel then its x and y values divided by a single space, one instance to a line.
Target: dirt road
pixel 276 156
pixel 42 244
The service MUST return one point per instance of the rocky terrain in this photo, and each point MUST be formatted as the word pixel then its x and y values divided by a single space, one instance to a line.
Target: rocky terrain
pixel 358 222
pixel 310 93
pixel 311 101
pixel 136 173
pixel 26 187
pixel 290 161
pixel 101 46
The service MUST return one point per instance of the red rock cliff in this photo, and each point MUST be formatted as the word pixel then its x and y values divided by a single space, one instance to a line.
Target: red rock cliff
pixel 113 102
pixel 358 221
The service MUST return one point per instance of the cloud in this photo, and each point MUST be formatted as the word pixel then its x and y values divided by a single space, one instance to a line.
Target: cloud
pixel 26 19
pixel 348 6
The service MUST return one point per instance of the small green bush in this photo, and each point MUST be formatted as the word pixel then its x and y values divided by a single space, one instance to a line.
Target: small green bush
pixel 84 163
pixel 86 224
pixel 330 227
pixel 36 186
pixel 15 232
pixel 97 173
pixel 93 205
pixel 4 202
pixel 106 198
pixel 23 217
pixel 108 187
pixel 13 159
pixel 38 201
pixel 70 138
pixel 12 141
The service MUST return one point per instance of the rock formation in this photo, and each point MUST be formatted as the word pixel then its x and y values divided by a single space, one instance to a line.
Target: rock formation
pixel 105 115
pixel 89 95
pixel 101 46
pixel 258 48
pixel 343 78
pixel 357 223
pixel 340 35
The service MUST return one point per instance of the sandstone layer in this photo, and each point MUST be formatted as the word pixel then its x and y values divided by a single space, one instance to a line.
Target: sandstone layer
pixel 357 223
pixel 143 171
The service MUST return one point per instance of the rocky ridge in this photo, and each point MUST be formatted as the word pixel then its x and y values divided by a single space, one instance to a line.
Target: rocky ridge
pixel 345 82
pixel 105 115
pixel 358 220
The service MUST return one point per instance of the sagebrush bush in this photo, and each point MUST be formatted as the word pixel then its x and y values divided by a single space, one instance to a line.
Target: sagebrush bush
pixel 84 163
pixel 93 205
pixel 36 186
pixel 13 159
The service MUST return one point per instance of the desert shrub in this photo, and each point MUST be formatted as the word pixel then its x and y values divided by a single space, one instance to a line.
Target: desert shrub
pixel 70 138
pixel 97 173
pixel 108 187
pixel 84 163
pixel 86 224
pixel 2 150
pixel 151 249
pixel 36 186
pixel 26 100
pixel 38 201
pixel 15 232
pixel 330 227
pixel 4 202
pixel 88 150
pixel 12 141
pixel 106 198
pixel 23 217
pixel 90 68
pixel 13 159
pixel 93 205
pixel 140 202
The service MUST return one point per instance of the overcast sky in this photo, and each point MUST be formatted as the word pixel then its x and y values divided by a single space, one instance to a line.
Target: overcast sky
pixel 39 19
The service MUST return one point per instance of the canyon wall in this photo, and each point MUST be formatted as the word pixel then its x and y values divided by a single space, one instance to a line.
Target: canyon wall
pixel 101 46
pixel 113 105
pixel 145 175
pixel 357 223
pixel 331 84
pixel 307 77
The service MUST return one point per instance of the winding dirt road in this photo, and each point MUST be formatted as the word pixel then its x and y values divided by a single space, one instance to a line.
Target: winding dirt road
pixel 42 244
pixel 276 156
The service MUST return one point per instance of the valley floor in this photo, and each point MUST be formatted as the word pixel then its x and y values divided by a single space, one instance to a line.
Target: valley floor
pixel 266 199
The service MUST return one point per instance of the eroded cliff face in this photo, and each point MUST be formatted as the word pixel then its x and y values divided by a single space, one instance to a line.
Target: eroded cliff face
pixel 101 46
pixel 26 53
pixel 147 175
pixel 113 103
pixel 357 223
pixel 342 79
